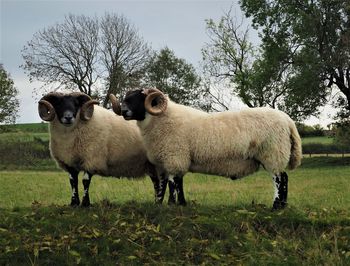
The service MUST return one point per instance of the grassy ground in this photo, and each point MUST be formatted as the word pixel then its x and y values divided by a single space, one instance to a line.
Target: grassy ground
pixel 225 222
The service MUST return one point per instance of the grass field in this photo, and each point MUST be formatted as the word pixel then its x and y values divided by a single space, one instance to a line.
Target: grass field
pixel 225 222
pixel 322 140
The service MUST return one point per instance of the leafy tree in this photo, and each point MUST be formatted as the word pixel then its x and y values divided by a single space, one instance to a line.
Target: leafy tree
pixel 308 43
pixel 175 77
pixel 260 77
pixel 342 133
pixel 310 131
pixel 8 102
pixel 227 59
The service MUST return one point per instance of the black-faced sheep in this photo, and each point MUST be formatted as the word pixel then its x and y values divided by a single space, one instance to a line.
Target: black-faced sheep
pixel 179 139
pixel 89 138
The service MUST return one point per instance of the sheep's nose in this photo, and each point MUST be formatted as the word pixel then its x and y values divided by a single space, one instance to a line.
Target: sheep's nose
pixel 68 117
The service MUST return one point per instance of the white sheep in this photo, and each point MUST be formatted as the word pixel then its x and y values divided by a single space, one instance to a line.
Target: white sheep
pixel 179 139
pixel 89 138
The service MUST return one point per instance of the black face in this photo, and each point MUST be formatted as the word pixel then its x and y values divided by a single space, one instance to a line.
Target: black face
pixel 66 107
pixel 133 105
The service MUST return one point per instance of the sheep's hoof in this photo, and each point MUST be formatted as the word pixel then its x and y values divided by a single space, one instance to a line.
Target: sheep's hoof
pixel 171 200
pixel 75 202
pixel 233 177
pixel 158 200
pixel 182 203
pixel 278 205
pixel 85 202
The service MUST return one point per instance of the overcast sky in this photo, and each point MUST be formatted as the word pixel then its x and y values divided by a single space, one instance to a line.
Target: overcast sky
pixel 180 25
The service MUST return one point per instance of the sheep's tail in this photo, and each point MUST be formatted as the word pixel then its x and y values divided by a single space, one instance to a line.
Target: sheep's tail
pixel 296 152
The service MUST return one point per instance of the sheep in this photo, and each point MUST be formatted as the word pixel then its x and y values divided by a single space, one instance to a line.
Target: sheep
pixel 179 139
pixel 86 137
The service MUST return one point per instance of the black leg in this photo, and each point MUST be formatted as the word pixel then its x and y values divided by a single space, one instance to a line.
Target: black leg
pixel 281 190
pixel 86 183
pixel 178 180
pixel 159 184
pixel 73 179
pixel 162 187
pixel 172 190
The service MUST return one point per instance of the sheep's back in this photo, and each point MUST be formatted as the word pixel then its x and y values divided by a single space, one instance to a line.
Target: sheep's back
pixel 258 133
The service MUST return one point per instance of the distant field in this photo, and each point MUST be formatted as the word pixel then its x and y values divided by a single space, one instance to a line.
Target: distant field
pixel 24 132
pixel 23 136
pixel 30 127
pixel 322 140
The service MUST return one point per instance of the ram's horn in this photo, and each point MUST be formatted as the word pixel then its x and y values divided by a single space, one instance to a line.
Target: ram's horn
pixel 87 110
pixel 46 110
pixel 115 104
pixel 162 101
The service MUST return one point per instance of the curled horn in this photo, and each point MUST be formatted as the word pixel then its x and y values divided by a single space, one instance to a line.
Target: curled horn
pixel 46 110
pixel 162 101
pixel 87 110
pixel 115 104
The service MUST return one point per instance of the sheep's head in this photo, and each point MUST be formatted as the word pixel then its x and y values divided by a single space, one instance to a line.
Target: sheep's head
pixel 66 107
pixel 137 102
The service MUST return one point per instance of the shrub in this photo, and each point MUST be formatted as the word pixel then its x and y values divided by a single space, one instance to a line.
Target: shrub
pixel 310 131
pixel 319 148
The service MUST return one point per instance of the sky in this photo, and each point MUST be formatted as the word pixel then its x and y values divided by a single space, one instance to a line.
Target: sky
pixel 179 25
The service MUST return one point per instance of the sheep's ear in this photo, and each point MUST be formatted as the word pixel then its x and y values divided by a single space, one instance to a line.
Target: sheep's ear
pixel 83 98
pixel 87 110
pixel 46 106
pixel 46 110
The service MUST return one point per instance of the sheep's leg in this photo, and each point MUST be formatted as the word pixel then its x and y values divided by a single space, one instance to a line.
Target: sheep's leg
pixel 73 179
pixel 172 190
pixel 180 190
pixel 159 184
pixel 176 188
pixel 86 183
pixel 162 188
pixel 281 190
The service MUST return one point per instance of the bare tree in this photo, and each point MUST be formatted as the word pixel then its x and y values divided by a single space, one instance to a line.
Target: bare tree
pixel 65 54
pixel 124 54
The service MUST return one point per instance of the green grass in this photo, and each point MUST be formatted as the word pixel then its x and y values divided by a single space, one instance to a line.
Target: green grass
pixel 220 225
pixel 23 136
pixel 225 222
pixel 24 132
pixel 322 140
pixel 30 127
